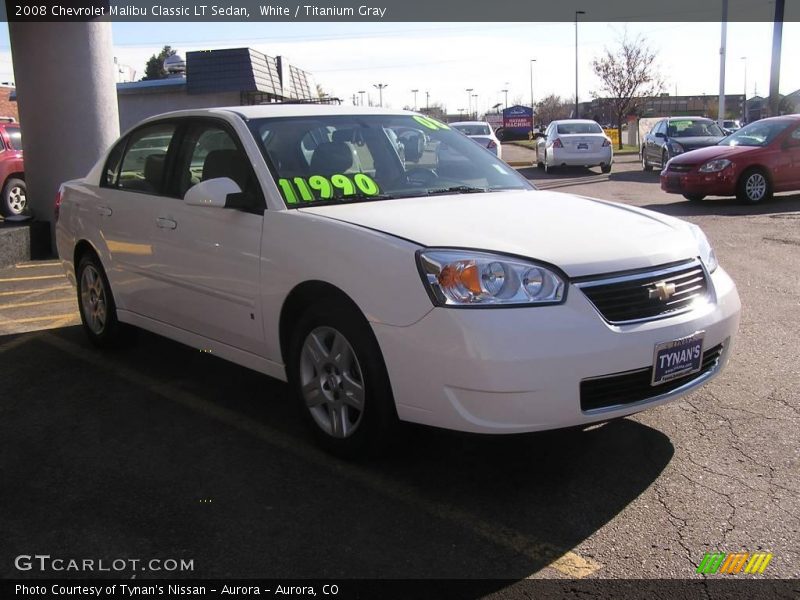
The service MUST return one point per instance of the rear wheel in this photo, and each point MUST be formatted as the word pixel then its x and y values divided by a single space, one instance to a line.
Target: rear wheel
pixel 14 200
pixel 340 380
pixel 605 168
pixel 694 197
pixel 96 303
pixel 753 187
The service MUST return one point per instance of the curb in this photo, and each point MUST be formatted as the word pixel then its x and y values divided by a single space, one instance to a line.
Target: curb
pixel 519 163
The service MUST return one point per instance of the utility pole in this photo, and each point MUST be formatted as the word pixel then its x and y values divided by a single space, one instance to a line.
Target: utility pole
pixel 379 87
pixel 533 60
pixel 361 93
pixel 722 50
pixel 415 98
pixel 744 101
pixel 775 69
pixel 577 12
pixel 469 101
pixel 427 100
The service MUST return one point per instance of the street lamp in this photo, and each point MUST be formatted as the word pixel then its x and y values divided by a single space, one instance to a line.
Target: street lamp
pixel 476 105
pixel 427 100
pixel 361 93
pixel 379 87
pixel 744 102
pixel 415 98
pixel 460 114
pixel 506 93
pixel 469 101
pixel 533 60
pixel 577 12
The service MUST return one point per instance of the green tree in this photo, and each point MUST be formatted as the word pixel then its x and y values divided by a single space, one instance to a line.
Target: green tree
pixel 154 69
pixel 628 75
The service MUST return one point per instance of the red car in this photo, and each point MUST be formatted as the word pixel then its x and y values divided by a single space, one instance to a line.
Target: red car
pixel 13 200
pixel 752 163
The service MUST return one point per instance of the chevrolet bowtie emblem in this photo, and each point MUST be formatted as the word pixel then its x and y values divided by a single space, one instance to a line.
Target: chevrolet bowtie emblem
pixel 661 290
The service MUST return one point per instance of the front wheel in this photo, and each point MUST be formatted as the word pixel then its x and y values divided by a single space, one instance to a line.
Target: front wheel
pixel 96 303
pixel 14 201
pixel 340 380
pixel 753 187
pixel 646 166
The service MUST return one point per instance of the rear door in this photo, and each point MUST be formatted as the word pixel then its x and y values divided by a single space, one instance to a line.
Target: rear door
pixel 210 257
pixel 654 142
pixel 792 149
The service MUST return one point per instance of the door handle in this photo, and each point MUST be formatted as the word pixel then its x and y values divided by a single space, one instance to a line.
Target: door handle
pixel 165 223
pixel 104 211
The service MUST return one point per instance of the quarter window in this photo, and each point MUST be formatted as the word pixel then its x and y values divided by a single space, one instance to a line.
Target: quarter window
pixel 143 166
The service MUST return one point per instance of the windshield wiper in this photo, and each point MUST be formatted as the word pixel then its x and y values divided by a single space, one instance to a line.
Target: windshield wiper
pixel 343 200
pixel 457 189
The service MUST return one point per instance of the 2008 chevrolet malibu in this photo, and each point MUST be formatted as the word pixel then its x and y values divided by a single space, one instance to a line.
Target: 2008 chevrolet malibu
pixel 390 269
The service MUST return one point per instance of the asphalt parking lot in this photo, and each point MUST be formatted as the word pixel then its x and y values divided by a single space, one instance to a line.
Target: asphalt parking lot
pixel 160 451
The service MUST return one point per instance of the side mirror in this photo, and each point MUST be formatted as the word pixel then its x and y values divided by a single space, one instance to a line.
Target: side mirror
pixel 660 134
pixel 213 193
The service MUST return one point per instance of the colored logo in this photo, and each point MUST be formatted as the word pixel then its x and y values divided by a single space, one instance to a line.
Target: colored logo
pixel 733 564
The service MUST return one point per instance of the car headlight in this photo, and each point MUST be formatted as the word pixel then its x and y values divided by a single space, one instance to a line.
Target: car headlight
pixel 675 148
pixel 475 279
pixel 707 254
pixel 714 166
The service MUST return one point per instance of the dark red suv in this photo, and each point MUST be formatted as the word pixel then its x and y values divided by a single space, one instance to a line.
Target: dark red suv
pixel 13 199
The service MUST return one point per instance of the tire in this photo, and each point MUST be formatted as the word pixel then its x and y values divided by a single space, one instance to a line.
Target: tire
pixel 14 201
pixel 605 168
pixel 337 373
pixel 753 187
pixel 664 159
pixel 646 166
pixel 96 303
pixel 694 197
pixel 547 168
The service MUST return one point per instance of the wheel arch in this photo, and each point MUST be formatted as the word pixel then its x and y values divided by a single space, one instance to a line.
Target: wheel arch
pixel 83 247
pixel 14 175
pixel 301 298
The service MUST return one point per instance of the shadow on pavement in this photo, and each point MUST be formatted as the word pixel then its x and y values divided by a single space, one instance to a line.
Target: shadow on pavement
pixel 98 465
pixel 729 207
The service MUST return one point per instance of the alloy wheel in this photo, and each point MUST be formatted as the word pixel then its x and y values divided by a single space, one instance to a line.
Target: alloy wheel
pixel 93 300
pixel 17 200
pixel 755 187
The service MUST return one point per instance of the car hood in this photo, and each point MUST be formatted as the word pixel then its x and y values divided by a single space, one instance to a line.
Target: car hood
pixel 702 155
pixel 582 236
pixel 690 143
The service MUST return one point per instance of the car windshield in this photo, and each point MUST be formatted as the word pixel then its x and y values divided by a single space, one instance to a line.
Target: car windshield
pixel 476 129
pixel 571 128
pixel 683 128
pixel 759 133
pixel 334 159
pixel 15 137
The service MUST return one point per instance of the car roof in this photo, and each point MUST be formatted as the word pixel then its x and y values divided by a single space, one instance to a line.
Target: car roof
pixel 288 110
pixel 470 123
pixel 690 117
pixel 575 121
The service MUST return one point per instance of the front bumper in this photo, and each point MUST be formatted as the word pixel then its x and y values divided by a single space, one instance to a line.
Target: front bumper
pixel 721 183
pixel 515 370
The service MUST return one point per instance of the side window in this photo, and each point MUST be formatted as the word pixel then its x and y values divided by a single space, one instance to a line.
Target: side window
pixel 144 161
pixel 111 170
pixel 210 152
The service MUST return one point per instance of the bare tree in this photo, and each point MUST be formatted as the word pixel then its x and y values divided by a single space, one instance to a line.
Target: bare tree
pixel 551 108
pixel 628 75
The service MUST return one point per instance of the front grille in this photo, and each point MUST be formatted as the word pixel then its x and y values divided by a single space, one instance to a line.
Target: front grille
pixel 635 386
pixel 680 168
pixel 644 295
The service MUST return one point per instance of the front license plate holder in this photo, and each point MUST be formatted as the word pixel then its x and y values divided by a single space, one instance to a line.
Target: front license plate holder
pixel 677 358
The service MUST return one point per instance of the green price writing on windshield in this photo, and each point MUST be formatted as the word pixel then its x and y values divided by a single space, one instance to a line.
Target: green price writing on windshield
pixel 318 187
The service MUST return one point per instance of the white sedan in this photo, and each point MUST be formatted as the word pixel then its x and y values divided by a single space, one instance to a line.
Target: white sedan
pixel 574 143
pixel 293 240
pixel 480 132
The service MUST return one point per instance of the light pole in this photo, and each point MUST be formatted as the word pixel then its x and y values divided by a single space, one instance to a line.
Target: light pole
pixel 415 98
pixel 533 60
pixel 469 101
pixel 427 100
pixel 744 102
pixel 379 87
pixel 577 12
pixel 461 114
pixel 361 93
pixel 476 105
pixel 506 93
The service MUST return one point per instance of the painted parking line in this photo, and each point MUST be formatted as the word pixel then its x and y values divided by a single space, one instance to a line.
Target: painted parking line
pixel 34 278
pixel 561 559
pixel 36 291
pixel 24 338
pixel 63 317
pixel 48 263
pixel 36 303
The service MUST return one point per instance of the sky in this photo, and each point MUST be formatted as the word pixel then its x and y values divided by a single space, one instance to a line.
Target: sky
pixel 446 58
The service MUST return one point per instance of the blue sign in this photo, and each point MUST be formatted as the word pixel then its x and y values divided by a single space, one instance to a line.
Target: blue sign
pixel 518 119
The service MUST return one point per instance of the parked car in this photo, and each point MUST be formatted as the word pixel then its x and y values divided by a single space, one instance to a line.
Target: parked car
pixel 729 125
pixel 480 132
pixel 676 135
pixel 461 299
pixel 574 143
pixel 14 198
pixel 759 159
